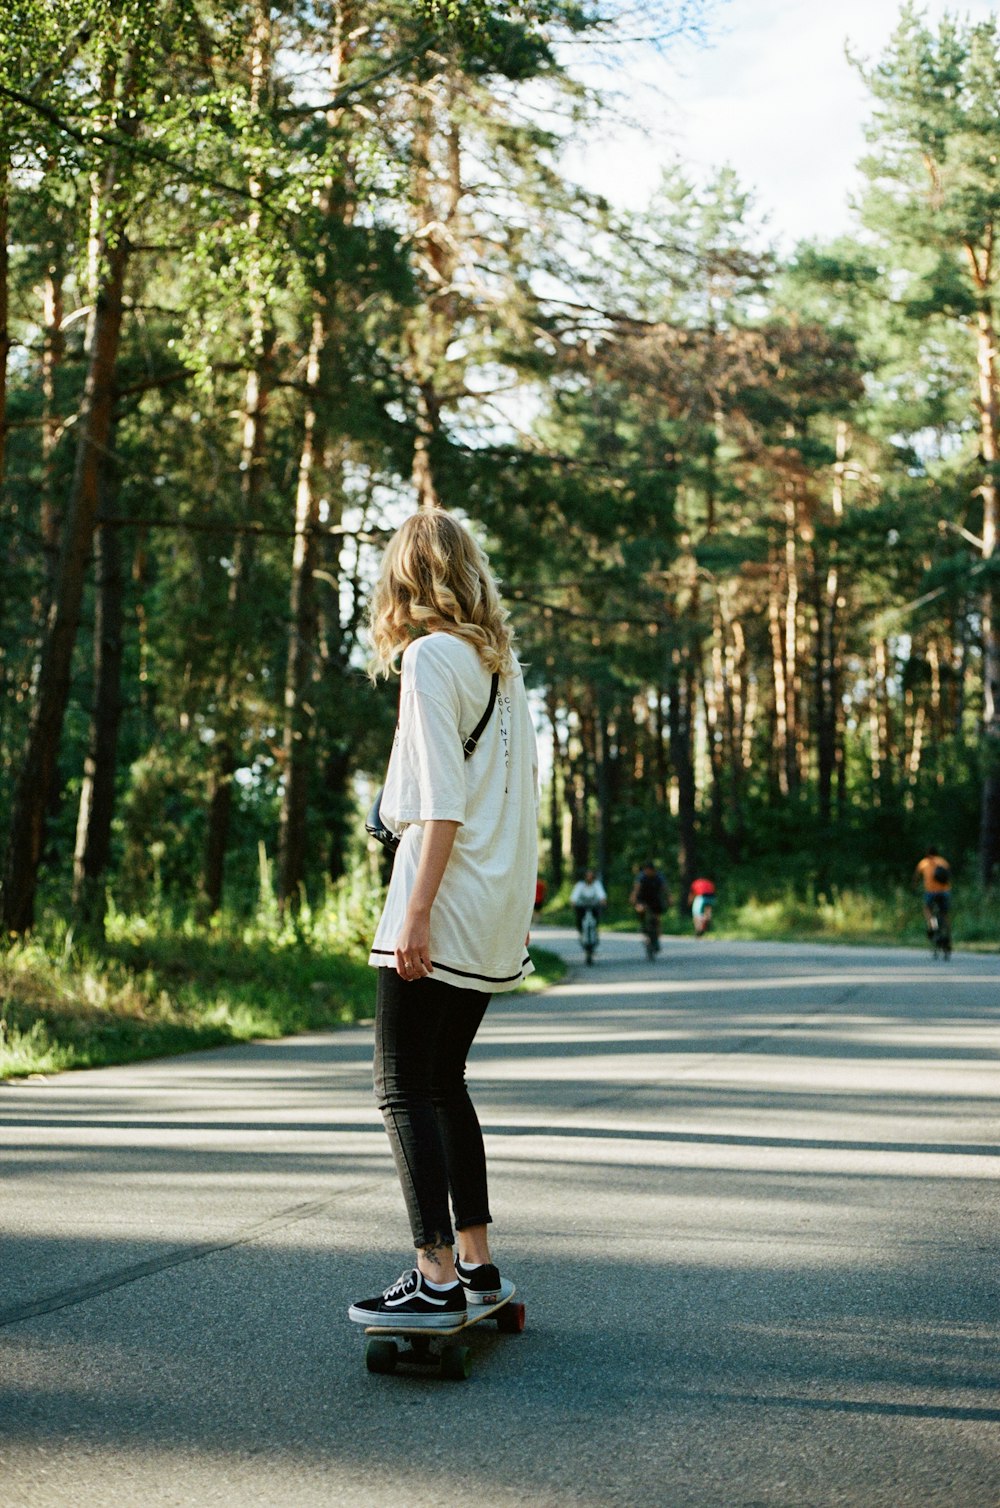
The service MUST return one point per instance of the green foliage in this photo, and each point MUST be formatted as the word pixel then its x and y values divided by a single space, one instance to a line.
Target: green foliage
pixel 162 987
pixel 890 916
pixel 726 495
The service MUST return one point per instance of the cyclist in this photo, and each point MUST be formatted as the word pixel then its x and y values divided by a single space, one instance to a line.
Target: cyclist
pixel 650 899
pixel 701 899
pixel 933 872
pixel 588 894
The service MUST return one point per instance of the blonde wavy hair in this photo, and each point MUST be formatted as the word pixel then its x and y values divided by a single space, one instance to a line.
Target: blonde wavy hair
pixel 435 578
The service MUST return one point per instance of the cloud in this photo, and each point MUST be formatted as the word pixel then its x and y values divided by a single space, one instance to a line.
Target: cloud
pixel 776 98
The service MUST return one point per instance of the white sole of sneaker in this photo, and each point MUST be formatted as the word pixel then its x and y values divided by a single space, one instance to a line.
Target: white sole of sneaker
pixel 388 1319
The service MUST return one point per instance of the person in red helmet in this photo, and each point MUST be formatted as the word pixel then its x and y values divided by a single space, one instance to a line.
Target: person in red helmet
pixel 701 899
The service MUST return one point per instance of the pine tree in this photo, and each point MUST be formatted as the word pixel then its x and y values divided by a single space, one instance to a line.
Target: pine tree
pixel 934 200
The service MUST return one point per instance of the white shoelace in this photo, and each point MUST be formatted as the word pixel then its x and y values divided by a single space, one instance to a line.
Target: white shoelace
pixel 405 1283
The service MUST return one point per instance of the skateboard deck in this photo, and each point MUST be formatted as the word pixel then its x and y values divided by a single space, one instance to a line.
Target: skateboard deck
pixel 441 1348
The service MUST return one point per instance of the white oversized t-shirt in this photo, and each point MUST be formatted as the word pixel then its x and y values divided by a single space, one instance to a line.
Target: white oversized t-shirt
pixel 484 905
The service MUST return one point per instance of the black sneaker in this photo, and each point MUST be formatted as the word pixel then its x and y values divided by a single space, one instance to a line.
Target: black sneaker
pixel 481 1284
pixel 411 1304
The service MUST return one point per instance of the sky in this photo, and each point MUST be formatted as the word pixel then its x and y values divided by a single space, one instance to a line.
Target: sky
pixel 772 95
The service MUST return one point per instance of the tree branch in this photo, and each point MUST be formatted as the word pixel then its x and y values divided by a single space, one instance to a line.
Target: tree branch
pixel 124 142
pixel 341 98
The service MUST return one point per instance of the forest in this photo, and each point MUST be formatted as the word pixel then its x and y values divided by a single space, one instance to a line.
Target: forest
pixel 274 275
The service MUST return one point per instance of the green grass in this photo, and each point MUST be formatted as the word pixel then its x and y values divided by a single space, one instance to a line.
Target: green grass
pixel 549 969
pixel 155 990
pixel 892 916
pixel 166 993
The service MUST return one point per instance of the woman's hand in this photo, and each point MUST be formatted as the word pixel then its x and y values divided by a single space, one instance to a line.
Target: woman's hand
pixel 413 946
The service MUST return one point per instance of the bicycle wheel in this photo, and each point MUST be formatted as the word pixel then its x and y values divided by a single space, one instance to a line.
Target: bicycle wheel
pixel 942 932
pixel 938 931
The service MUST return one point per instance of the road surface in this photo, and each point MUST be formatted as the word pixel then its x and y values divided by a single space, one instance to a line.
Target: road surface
pixel 749 1194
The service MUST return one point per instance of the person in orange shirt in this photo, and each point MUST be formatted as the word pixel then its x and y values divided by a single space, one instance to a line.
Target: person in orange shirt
pixel 934 875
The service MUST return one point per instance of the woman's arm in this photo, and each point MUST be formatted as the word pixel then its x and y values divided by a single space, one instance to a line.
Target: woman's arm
pixel 413 957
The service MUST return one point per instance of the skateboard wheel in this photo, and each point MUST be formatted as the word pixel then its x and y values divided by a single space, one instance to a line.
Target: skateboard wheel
pixel 381 1356
pixel 456 1363
pixel 510 1319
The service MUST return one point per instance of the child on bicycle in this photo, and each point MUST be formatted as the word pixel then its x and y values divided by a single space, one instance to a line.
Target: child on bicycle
pixel 588 894
pixel 701 899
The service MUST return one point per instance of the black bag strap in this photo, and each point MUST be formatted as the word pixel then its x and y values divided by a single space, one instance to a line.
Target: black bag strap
pixel 470 743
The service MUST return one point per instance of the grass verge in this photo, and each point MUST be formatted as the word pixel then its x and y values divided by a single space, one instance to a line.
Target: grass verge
pixel 156 993
pixel 549 969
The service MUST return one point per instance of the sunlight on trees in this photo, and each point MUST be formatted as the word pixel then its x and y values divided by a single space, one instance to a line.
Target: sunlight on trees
pixel 272 275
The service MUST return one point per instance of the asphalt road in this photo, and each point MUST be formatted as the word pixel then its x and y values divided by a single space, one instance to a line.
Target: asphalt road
pixel 748 1192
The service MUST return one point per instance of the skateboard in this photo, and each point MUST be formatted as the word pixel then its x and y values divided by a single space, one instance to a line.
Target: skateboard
pixel 441 1348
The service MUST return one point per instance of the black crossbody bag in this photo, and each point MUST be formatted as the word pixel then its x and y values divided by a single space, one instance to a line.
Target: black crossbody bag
pixel 376 828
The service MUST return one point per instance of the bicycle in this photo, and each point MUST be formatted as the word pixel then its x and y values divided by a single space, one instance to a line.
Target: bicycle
pixel 650 923
pixel 588 934
pixel 939 926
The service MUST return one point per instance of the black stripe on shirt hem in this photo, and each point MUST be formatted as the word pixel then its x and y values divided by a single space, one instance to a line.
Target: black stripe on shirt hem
pixel 462 973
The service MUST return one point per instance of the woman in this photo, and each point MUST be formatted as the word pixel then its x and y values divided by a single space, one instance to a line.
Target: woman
pixel 456 917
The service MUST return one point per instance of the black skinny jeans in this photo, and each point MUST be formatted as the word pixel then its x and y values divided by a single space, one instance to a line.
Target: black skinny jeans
pixel 423 1031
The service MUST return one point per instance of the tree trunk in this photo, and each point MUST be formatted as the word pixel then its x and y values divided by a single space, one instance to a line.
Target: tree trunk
pixel 253 475
pixel 220 805
pixel 303 627
pixel 659 752
pixel 301 658
pixel 916 744
pixel 681 754
pixel 936 711
pixel 228 695
pixel 716 705
pixel 37 773
pixel 4 295
pixel 602 783
pixel 828 647
pixel 53 348
pixel 97 795
pixel 736 718
pixel 989 823
pixel 793 735
pixel 578 790
pixel 428 423
pixel 436 235
pixel 556 860
pixel 878 720
pixel 779 746
pixel 337 809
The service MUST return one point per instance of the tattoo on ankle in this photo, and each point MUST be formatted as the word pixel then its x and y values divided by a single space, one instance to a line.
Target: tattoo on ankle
pixel 435 1252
